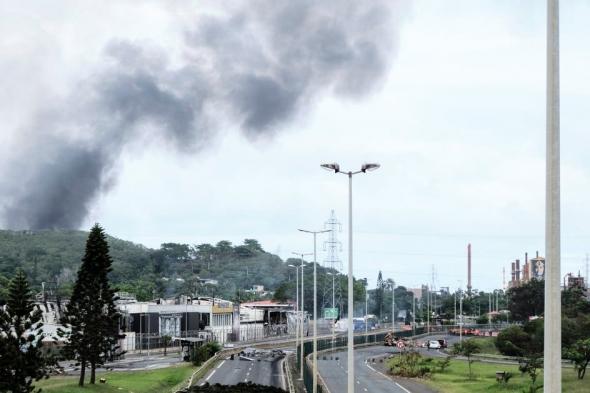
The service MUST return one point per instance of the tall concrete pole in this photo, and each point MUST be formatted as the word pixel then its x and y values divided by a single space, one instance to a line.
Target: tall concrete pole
pixel 315 307
pixel 350 344
pixel 393 305
pixel 552 320
pixel 297 310
pixel 302 358
pixel 461 316
pixel 315 318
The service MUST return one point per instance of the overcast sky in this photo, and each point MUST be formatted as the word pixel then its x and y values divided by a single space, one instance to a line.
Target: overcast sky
pixel 455 117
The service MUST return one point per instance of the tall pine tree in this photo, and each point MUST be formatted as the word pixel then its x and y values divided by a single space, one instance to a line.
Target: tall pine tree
pixel 21 359
pixel 91 316
pixel 379 295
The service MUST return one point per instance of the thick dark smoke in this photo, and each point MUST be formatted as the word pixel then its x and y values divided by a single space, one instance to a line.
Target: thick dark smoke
pixel 257 66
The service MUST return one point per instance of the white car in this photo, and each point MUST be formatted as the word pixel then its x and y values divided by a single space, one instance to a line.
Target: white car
pixel 433 344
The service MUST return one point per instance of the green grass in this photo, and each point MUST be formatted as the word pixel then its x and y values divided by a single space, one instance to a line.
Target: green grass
pixel 153 381
pixel 488 345
pixel 456 379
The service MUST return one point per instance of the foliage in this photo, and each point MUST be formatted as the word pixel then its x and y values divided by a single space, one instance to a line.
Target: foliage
pixel 205 352
pixel 21 358
pixel 166 339
pixel 521 341
pixel 527 300
pixel 579 354
pixel 531 365
pixel 467 348
pixel 410 364
pixel 91 316
pixel 379 290
pixel 453 379
pixel 443 364
pixel 241 387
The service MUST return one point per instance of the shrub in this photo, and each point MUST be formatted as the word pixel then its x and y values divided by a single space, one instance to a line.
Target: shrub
pixel 507 338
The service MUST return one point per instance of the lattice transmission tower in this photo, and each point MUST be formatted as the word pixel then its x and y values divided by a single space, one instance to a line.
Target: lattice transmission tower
pixel 333 264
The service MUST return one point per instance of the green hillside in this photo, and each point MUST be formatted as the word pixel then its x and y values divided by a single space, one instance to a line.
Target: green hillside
pixel 54 256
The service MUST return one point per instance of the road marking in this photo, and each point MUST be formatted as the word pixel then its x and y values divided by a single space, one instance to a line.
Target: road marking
pixel 385 376
pixel 358 382
pixel 365 389
pixel 210 375
pixel 221 364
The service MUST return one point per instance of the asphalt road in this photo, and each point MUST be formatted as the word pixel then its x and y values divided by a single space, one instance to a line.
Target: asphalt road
pixel 263 371
pixel 368 377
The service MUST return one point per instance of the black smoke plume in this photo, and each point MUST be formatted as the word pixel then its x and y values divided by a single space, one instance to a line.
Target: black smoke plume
pixel 257 66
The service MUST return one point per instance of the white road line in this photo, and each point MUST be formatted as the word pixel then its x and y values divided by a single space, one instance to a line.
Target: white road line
pixel 385 376
pixel 220 364
pixel 401 387
pixel 210 375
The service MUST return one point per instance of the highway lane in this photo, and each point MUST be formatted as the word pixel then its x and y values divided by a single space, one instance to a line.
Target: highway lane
pixel 263 371
pixel 368 377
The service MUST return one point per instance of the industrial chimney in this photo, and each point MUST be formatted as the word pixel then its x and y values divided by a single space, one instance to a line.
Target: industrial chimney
pixel 518 271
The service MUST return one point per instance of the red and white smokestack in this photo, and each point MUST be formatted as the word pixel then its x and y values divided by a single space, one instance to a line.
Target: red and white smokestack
pixel 469 268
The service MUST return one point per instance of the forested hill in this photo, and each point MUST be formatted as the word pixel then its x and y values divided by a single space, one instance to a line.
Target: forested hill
pixel 55 255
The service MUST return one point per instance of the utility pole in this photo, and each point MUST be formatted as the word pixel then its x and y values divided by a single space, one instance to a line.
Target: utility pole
pixel 552 320
pixel 490 309
pixel 315 307
pixel 427 309
pixel 413 314
pixel 455 295
pixel 461 316
pixel 393 305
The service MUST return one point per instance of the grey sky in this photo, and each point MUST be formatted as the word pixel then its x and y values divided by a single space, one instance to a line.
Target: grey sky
pixel 457 121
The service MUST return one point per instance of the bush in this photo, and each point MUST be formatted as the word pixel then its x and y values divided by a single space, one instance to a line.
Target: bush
pixel 410 364
pixel 507 338
pixel 204 352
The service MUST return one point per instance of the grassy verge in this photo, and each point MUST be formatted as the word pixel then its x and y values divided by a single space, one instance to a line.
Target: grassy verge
pixel 455 379
pixel 488 345
pixel 153 381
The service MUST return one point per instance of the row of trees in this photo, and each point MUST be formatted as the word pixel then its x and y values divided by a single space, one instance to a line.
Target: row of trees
pixel 526 304
pixel 90 323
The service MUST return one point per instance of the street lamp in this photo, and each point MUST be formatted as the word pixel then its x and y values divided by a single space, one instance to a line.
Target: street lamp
pixel 315 308
pixel 350 344
pixel 300 315
pixel 296 305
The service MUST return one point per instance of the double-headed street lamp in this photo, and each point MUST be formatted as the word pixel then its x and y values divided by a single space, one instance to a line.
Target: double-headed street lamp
pixel 302 311
pixel 350 345
pixel 315 308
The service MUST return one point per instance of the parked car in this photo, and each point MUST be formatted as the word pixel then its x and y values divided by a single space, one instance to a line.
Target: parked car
pixel 443 343
pixel 433 344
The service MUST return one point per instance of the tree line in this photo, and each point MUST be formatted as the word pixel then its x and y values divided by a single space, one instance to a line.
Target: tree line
pixel 90 323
